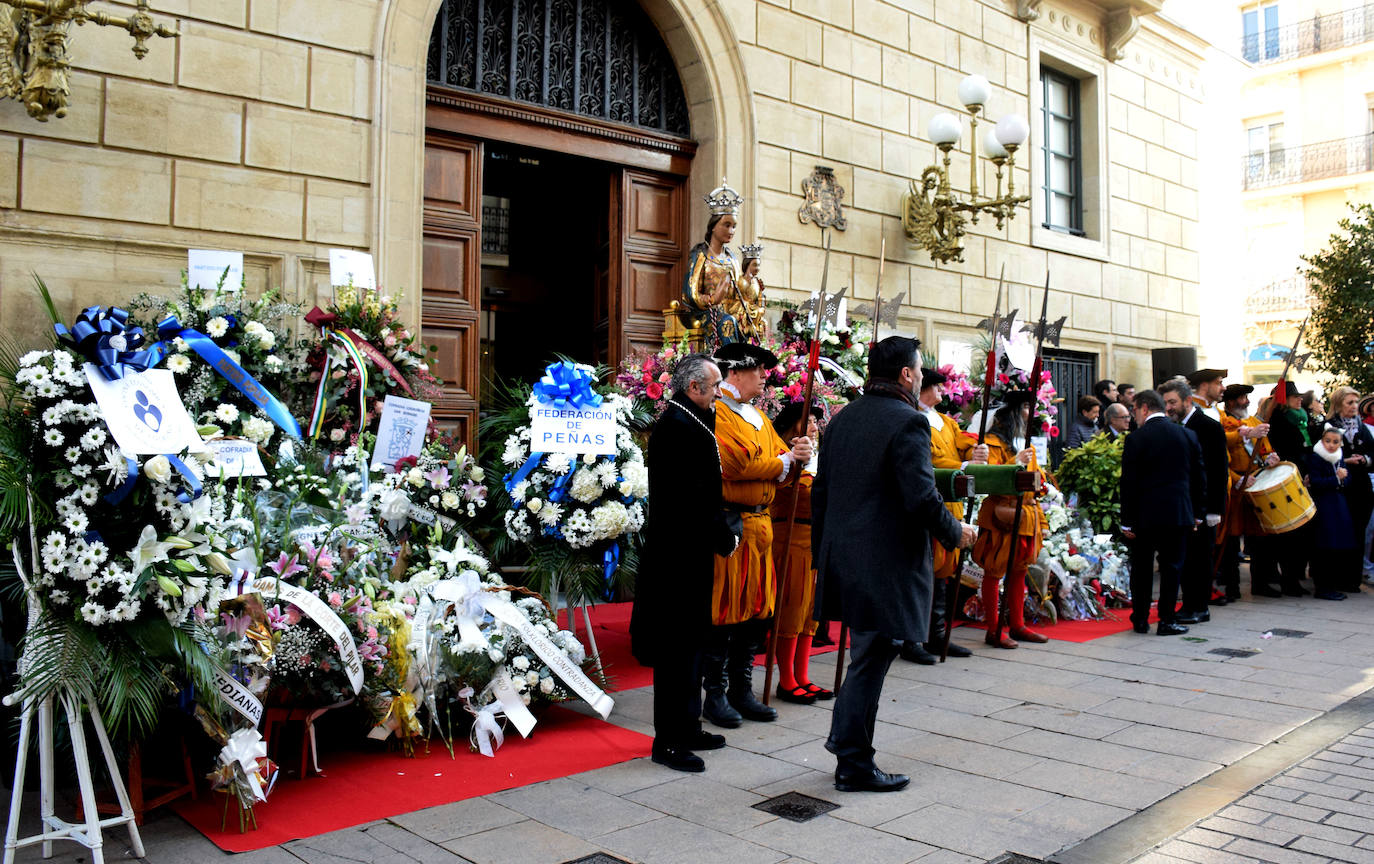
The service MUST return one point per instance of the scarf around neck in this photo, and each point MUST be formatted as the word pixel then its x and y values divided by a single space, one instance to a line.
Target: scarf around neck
pixel 1299 418
pixel 1320 450
pixel 890 389
pixel 1349 426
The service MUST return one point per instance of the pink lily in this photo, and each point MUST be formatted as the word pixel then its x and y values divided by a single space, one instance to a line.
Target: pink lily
pixel 284 567
pixel 439 477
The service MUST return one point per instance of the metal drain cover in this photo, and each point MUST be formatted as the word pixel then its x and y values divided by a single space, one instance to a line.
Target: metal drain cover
pixel 1291 634
pixel 1234 652
pixel 1013 858
pixel 598 858
pixel 795 807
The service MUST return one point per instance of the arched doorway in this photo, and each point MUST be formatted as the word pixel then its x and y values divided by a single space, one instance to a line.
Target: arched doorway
pixel 558 153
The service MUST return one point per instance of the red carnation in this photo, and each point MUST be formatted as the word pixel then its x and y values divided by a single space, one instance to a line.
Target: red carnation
pixel 405 463
pixel 1054 431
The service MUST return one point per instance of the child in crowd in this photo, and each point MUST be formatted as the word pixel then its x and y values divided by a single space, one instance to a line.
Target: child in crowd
pixel 1335 558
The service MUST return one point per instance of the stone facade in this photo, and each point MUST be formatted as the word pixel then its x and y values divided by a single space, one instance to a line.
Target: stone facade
pixel 276 130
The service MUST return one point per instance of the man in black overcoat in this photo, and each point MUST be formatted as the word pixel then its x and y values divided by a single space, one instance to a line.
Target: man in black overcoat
pixel 874 513
pixel 1198 567
pixel 684 531
pixel 1162 487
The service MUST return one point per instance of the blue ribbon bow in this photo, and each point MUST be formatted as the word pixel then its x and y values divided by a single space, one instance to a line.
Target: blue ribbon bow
pixel 103 336
pixel 169 328
pixel 566 385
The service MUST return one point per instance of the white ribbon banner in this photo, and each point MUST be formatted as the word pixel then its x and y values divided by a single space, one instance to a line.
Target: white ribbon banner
pixel 469 600
pixel 238 697
pixel 318 611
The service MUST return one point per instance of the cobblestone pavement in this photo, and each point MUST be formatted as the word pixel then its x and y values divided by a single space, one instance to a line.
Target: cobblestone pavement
pixel 1320 810
pixel 1029 751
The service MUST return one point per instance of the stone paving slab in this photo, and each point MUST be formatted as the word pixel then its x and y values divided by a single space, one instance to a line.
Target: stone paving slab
pixel 1030 750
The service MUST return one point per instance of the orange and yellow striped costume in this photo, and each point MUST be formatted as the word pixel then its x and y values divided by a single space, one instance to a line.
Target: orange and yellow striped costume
pixel 990 550
pixel 796 616
pixel 950 447
pixel 1240 518
pixel 750 462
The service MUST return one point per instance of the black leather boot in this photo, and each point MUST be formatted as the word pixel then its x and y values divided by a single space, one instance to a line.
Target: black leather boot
pixel 938 602
pixel 715 707
pixel 740 665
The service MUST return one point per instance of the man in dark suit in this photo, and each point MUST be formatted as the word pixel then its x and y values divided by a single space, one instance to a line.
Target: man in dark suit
pixel 874 513
pixel 1181 407
pixel 1162 486
pixel 685 530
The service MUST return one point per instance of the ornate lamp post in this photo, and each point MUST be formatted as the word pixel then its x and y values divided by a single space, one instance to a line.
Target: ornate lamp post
pixel 932 215
pixel 34 59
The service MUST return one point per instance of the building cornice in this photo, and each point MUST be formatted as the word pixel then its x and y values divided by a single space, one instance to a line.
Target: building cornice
pixel 1120 19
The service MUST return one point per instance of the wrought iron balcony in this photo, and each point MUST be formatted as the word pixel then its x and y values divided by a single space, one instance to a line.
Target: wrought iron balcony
pixel 1283 298
pixel 1337 158
pixel 1322 33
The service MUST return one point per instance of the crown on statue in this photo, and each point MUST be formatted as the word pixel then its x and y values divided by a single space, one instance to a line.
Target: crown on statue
pixel 751 250
pixel 723 201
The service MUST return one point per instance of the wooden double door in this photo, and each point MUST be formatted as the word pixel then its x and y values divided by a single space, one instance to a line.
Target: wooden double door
pixel 637 270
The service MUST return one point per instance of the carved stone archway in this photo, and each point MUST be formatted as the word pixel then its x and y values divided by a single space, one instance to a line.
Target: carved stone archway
pixel 702 42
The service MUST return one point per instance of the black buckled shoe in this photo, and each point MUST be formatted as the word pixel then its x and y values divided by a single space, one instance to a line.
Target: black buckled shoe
pixel 797 695
pixel 1170 629
pixel 678 759
pixel 821 694
pixel 869 780
pixel 704 740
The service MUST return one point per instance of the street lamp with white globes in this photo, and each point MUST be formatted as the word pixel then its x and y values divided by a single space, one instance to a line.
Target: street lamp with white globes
pixel 931 215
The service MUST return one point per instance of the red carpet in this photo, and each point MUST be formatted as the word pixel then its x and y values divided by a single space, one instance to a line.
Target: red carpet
pixel 1082 631
pixel 358 787
pixel 611 622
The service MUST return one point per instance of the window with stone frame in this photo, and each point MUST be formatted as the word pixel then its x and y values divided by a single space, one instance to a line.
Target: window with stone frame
pixel 1062 150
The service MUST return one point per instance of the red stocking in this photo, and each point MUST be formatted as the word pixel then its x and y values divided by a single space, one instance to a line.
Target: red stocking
pixel 802 666
pixel 787 649
pixel 1016 599
pixel 990 602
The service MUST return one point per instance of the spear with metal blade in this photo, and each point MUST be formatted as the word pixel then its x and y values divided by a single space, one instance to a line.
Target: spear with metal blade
pixel 952 590
pixel 813 365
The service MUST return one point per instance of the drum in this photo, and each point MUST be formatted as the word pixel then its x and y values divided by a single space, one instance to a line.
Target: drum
pixel 1279 500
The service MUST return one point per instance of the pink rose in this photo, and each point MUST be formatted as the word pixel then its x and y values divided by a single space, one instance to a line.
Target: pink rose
pixel 654 390
pixel 664 378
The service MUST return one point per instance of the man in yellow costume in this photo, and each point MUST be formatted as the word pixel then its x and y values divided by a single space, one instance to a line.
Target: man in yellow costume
pixel 950 447
pixel 1248 449
pixel 753 462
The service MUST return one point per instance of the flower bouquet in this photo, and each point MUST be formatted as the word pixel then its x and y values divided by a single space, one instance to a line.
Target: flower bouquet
pixel 365 353
pixel 788 382
pixel 578 515
pixel 846 346
pixel 1085 572
pixel 211 335
pixel 648 377
pixel 959 391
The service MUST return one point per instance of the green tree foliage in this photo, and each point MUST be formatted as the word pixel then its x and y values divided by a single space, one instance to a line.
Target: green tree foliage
pixel 1341 278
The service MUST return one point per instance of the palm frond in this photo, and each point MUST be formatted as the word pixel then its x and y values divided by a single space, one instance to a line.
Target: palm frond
pixel 132 688
pixel 59 651
pixel 10 352
pixel 46 296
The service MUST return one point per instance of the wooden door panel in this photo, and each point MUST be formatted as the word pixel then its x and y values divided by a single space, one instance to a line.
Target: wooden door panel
pixel 451 295
pixel 651 212
pixel 456 360
pixel 453 176
pixel 651 285
pixel 649 228
pixel 451 269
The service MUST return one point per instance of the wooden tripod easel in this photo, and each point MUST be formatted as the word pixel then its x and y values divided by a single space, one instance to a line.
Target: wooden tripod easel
pixel 76 704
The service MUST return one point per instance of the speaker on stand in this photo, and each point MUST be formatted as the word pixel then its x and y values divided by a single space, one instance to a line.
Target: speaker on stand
pixel 1166 363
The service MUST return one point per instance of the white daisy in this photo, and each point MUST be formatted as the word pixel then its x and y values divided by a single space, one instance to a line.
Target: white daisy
pixel 216 327
pixel 226 413
pixel 63 479
pixel 53 415
pixel 53 438
pixel 180 364
pixel 76 523
pixel 93 439
pixel 89 493
pixel 46 390
pixel 81 470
